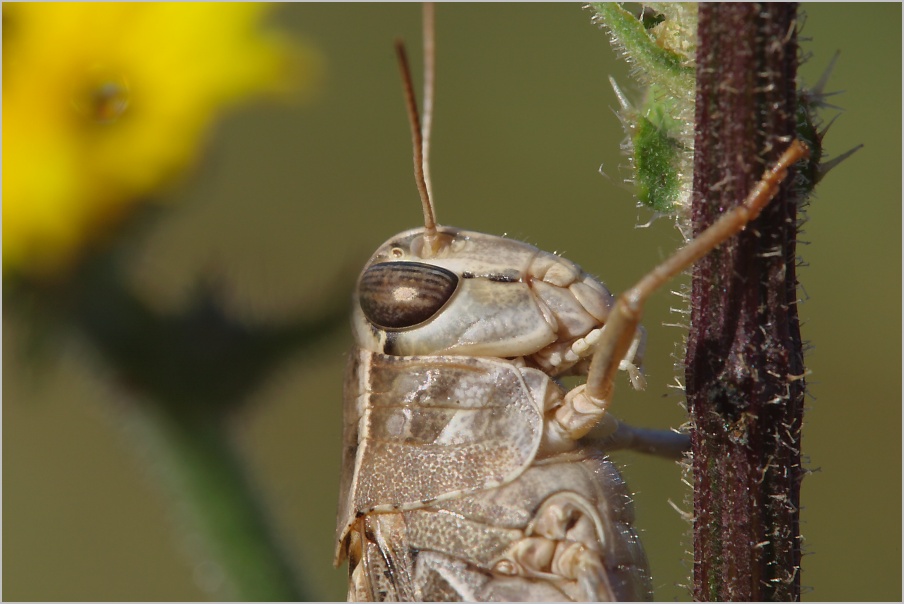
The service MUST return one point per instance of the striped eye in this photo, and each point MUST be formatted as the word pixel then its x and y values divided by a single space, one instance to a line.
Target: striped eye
pixel 396 295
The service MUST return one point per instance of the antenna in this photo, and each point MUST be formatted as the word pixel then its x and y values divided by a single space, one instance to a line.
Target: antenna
pixel 420 134
pixel 429 33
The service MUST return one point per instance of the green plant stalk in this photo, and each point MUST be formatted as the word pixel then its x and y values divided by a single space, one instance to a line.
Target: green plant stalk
pixel 239 555
pixel 657 157
pixel 744 364
pixel 659 127
pixel 655 63
pixel 184 376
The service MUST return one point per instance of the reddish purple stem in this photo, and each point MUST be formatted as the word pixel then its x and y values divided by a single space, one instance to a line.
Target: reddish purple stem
pixel 745 360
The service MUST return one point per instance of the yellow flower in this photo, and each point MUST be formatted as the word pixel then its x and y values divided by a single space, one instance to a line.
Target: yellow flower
pixel 103 103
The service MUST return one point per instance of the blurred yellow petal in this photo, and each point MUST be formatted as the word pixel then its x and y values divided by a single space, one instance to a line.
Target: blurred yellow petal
pixel 104 103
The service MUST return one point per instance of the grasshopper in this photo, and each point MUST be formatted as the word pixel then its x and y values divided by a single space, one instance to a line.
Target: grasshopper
pixel 469 472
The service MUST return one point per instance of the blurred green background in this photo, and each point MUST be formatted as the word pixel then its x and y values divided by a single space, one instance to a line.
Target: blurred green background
pixel 291 201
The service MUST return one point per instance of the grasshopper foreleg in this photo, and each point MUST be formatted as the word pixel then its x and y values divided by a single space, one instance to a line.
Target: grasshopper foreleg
pixel 585 406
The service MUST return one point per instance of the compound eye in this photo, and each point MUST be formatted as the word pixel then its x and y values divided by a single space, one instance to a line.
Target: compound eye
pixel 396 295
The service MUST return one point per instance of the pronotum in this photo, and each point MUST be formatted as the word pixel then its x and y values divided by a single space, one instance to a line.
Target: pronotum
pixel 469 472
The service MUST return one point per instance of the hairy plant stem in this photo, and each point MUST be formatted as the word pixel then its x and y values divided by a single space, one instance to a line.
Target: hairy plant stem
pixel 744 364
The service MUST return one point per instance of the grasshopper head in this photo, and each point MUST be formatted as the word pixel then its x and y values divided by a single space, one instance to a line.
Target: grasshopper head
pixel 481 295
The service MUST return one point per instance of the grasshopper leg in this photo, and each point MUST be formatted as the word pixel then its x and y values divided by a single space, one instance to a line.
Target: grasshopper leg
pixel 586 405
pixel 612 434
